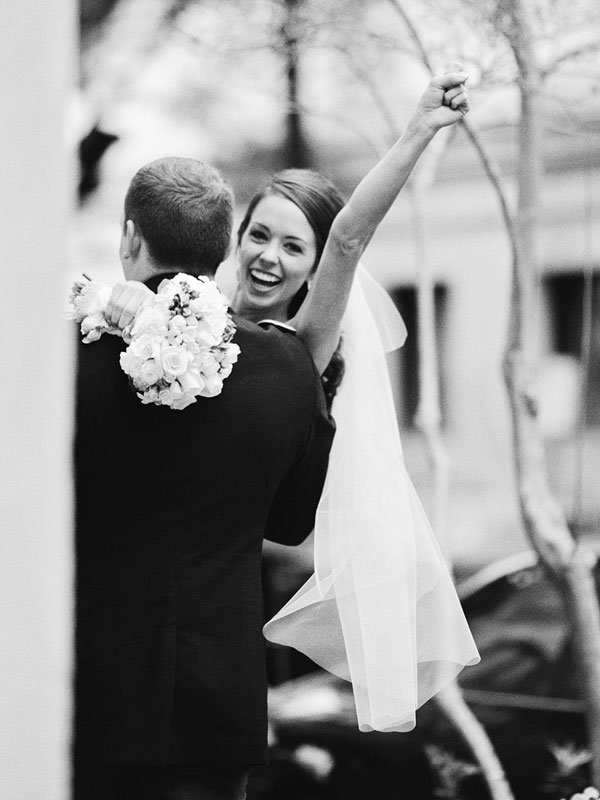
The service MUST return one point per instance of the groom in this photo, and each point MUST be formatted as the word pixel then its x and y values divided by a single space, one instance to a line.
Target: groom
pixel 171 510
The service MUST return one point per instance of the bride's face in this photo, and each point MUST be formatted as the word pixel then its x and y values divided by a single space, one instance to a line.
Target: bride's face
pixel 277 254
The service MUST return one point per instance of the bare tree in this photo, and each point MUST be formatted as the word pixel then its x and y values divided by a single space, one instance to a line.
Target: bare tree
pixel 570 563
pixel 449 700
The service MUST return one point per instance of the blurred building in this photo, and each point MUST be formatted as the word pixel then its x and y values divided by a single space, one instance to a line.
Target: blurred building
pixel 470 255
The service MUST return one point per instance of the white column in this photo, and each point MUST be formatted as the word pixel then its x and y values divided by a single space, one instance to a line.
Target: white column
pixel 36 64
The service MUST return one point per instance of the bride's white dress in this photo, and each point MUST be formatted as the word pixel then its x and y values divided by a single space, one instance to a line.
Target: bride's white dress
pixel 380 609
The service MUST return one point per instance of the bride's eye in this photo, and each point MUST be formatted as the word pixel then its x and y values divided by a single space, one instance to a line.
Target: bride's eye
pixel 258 235
pixel 294 248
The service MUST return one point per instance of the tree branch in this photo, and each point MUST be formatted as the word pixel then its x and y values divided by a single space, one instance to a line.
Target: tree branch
pixel 413 33
pixel 489 166
pixel 492 171
pixel 452 703
pixel 570 55
pixel 363 76
pixel 450 700
pixel 569 564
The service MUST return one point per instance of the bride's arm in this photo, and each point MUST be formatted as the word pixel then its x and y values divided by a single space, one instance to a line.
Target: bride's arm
pixel 318 322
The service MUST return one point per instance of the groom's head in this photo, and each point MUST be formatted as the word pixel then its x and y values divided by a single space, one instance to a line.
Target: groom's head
pixel 178 218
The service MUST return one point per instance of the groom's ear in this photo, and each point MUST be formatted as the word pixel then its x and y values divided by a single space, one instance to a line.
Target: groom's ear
pixel 131 240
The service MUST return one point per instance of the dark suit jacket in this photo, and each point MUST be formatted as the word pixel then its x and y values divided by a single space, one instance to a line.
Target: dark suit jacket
pixel 172 508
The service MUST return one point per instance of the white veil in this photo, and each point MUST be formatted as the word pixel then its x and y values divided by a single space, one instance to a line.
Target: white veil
pixel 380 609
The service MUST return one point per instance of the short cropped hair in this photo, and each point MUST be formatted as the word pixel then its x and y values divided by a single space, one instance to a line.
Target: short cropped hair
pixel 184 211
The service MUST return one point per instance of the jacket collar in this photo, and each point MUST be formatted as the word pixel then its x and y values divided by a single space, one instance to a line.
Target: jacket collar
pixel 155 280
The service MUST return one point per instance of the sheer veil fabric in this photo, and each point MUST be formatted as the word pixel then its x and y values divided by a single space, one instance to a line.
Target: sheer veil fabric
pixel 380 609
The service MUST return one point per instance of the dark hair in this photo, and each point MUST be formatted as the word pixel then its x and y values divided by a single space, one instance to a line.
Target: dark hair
pixel 317 198
pixel 184 210
pixel 333 374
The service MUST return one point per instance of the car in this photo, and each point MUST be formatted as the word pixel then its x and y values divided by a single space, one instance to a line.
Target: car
pixel 525 691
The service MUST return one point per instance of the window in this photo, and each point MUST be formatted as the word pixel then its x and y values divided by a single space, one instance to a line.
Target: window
pixel 565 294
pixel 407 394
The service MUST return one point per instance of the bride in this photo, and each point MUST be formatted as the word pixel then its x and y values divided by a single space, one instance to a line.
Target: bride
pixel 380 609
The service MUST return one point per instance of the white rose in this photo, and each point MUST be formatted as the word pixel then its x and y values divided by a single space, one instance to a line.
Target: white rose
pixel 162 301
pixel 150 372
pixel 230 356
pixel 174 360
pixel 198 306
pixel 145 346
pixel 213 292
pixel 195 284
pixel 149 396
pixel 91 300
pixel 210 304
pixel 174 337
pixel 213 385
pixel 178 323
pixel 191 339
pixel 206 335
pixel 191 381
pixel 180 284
pixel 130 363
pixel 152 320
pixel 165 396
pixel 184 401
pixel 167 290
pixel 92 327
pixel 217 316
pixel 91 334
pixel 209 365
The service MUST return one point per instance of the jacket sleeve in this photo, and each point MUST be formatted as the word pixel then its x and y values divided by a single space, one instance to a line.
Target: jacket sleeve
pixel 292 514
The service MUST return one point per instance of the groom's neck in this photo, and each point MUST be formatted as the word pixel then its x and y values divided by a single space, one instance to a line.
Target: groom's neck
pixel 158 273
pixel 144 272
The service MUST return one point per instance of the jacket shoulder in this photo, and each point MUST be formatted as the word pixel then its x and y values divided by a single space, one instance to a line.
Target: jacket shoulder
pixel 281 345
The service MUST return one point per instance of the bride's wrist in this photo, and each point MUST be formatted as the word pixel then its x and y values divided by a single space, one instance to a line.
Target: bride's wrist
pixel 420 128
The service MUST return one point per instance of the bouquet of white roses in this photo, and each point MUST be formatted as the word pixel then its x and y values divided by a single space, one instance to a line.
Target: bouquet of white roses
pixel 179 346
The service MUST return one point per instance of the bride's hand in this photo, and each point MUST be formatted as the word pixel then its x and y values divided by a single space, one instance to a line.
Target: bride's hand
pixel 445 100
pixel 125 301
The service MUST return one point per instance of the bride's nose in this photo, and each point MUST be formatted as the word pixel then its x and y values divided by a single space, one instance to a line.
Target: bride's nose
pixel 270 254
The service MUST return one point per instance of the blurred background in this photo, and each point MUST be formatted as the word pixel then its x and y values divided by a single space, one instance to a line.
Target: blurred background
pixel 97 88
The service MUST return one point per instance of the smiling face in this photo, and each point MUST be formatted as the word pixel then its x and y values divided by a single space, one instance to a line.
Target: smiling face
pixel 277 254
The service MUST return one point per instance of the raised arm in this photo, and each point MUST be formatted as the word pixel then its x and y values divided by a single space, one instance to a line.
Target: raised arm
pixel 318 322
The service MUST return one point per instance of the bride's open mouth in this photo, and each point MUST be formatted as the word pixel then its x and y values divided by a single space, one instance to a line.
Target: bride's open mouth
pixel 264 280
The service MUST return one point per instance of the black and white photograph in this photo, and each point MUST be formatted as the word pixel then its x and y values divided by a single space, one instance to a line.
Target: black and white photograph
pixel 301 403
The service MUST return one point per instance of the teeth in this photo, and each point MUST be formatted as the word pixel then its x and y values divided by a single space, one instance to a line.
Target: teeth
pixel 265 277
